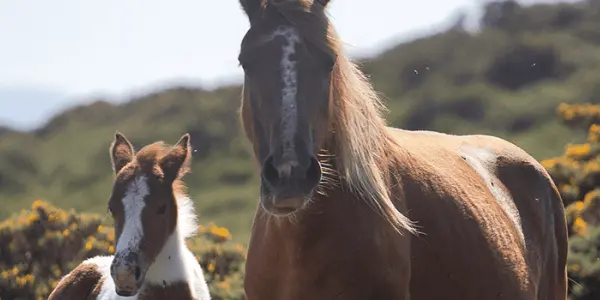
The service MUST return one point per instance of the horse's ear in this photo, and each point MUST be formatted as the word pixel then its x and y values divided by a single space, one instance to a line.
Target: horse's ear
pixel 176 163
pixel 322 2
pixel 252 7
pixel 121 152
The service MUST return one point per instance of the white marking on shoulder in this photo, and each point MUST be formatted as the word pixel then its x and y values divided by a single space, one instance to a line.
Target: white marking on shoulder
pixel 479 159
pixel 102 262
pixel 107 292
pixel 133 204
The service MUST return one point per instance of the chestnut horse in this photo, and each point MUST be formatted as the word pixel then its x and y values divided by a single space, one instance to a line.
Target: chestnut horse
pixel 153 216
pixel 353 209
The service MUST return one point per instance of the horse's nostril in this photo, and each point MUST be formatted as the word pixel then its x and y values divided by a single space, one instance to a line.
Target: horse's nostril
pixel 269 172
pixel 313 173
pixel 138 273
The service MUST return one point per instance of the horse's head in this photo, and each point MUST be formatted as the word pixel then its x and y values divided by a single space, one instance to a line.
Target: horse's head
pixel 287 60
pixel 143 205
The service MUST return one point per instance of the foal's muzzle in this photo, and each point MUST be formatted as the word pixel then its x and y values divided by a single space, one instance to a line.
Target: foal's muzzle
pixel 127 273
pixel 288 182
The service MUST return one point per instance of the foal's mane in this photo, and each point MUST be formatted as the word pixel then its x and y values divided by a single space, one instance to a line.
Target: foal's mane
pixel 363 149
pixel 147 158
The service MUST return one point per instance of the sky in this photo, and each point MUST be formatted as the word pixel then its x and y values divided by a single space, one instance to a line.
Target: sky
pixel 61 52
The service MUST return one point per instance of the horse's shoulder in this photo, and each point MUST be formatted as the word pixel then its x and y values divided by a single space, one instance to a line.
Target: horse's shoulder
pixel 505 157
pixel 83 282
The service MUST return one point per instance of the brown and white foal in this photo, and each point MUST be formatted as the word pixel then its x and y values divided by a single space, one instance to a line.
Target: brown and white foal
pixel 153 216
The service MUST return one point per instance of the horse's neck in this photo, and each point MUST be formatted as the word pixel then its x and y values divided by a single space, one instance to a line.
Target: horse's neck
pixel 338 218
pixel 335 230
pixel 173 263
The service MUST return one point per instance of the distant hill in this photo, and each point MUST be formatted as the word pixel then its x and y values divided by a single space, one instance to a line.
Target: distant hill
pixel 506 80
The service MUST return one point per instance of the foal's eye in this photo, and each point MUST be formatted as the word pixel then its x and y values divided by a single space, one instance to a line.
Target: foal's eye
pixel 162 209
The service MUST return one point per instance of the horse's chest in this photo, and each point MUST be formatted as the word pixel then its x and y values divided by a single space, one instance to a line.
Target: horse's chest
pixel 361 278
pixel 295 288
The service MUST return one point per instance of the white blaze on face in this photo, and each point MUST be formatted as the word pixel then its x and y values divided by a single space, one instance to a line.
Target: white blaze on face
pixel 133 204
pixel 289 92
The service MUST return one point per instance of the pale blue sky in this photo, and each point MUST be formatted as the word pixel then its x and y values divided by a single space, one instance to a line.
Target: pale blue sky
pixel 73 50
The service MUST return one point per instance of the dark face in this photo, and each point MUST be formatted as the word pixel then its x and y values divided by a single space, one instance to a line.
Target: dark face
pixel 286 108
pixel 144 209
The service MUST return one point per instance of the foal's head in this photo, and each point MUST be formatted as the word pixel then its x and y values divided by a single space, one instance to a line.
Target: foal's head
pixel 143 205
pixel 287 59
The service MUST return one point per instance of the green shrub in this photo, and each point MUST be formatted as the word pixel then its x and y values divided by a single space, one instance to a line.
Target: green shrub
pixel 40 245
pixel 577 176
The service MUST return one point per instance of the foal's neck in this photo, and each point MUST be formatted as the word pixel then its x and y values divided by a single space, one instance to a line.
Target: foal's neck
pixel 172 263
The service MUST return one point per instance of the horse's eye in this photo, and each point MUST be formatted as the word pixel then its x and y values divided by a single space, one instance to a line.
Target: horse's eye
pixel 247 68
pixel 110 211
pixel 329 64
pixel 162 209
pixel 247 65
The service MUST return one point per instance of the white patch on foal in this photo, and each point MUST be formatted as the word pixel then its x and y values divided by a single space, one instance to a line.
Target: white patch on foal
pixel 133 204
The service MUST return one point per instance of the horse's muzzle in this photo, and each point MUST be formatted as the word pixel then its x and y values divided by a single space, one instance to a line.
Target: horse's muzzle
pixel 287 185
pixel 127 274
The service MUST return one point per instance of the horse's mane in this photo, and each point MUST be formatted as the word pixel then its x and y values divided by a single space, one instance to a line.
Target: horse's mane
pixel 362 145
pixel 147 158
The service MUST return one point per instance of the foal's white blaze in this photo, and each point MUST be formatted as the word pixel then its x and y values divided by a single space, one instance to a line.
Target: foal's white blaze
pixel 133 204
pixel 289 93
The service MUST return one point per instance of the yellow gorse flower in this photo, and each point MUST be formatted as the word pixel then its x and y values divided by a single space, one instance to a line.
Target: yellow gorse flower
pixel 224 285
pixel 578 151
pixel 579 226
pixel 220 232
pixel 579 206
pixel 594 133
pixel 87 236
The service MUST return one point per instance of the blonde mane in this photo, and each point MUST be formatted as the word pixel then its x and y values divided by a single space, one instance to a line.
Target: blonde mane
pixel 362 147
pixel 364 150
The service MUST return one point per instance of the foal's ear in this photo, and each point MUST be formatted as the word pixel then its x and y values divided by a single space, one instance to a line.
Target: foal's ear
pixel 176 163
pixel 252 7
pixel 121 152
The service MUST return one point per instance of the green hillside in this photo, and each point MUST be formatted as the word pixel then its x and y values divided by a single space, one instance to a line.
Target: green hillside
pixel 506 80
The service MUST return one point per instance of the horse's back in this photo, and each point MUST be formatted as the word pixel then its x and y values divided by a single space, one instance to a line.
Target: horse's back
pixel 83 282
pixel 483 202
